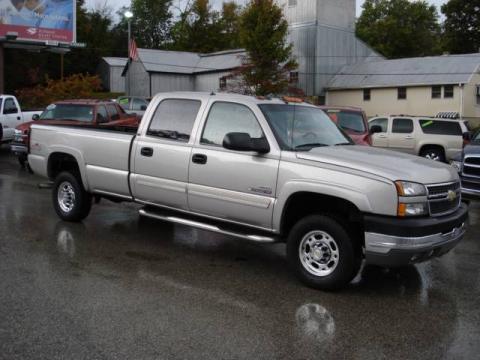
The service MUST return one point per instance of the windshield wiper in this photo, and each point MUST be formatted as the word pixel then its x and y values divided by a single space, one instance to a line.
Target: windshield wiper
pixel 344 144
pixel 310 146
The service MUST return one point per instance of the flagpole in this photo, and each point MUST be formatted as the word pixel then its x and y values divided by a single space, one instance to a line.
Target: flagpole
pixel 128 15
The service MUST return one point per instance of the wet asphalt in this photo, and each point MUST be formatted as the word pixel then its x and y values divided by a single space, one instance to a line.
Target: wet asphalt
pixel 120 287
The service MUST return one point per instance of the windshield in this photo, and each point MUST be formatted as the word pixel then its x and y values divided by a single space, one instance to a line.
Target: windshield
pixel 68 112
pixel 476 137
pixel 348 120
pixel 302 128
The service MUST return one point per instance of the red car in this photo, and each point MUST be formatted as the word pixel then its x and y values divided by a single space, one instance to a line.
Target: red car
pixel 351 120
pixel 97 113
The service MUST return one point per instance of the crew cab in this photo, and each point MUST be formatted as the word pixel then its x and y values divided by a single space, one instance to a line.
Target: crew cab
pixel 467 163
pixel 83 113
pixel 432 138
pixel 11 116
pixel 264 170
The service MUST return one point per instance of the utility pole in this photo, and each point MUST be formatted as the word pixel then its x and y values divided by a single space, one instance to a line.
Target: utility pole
pixel 2 70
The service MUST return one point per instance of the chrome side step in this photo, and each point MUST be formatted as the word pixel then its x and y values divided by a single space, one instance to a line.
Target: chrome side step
pixel 222 229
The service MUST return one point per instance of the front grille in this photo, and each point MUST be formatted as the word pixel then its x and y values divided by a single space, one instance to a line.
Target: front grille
pixel 441 199
pixel 470 185
pixel 471 166
pixel 472 160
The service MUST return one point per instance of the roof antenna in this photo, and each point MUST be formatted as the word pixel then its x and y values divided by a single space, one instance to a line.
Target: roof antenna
pixel 212 93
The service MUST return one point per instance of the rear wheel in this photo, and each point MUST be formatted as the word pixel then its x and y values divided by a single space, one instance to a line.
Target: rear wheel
pixel 70 200
pixel 321 253
pixel 434 153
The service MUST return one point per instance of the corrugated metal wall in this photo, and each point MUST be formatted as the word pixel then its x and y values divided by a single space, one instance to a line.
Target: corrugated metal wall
pixel 117 82
pixel 139 80
pixel 162 82
pixel 209 82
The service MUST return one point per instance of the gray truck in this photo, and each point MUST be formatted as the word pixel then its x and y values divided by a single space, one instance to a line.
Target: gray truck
pixel 467 163
pixel 264 170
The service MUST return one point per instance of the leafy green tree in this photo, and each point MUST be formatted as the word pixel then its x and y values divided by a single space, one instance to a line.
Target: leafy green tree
pixel 462 26
pixel 151 22
pixel 400 28
pixel 263 34
pixel 230 25
pixel 199 29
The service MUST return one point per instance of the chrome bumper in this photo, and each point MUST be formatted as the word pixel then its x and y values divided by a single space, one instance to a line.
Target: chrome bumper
pixel 390 250
pixel 19 149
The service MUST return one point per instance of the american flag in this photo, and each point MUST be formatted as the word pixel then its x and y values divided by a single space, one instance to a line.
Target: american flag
pixel 133 52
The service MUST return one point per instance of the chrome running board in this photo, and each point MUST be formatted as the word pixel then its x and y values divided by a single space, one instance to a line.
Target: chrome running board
pixel 224 228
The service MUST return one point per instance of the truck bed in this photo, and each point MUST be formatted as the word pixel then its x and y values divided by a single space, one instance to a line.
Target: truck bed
pixel 103 155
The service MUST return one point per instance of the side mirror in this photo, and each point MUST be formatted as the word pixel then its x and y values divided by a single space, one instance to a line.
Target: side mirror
pixel 35 117
pixel 243 142
pixel 375 129
pixel 143 107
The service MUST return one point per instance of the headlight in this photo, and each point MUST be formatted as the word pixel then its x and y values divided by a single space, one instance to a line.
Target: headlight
pixel 405 188
pixel 406 207
pixel 18 132
pixel 457 165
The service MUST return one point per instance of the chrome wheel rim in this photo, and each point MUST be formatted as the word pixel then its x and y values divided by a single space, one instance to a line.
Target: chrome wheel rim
pixel 66 196
pixel 433 156
pixel 319 254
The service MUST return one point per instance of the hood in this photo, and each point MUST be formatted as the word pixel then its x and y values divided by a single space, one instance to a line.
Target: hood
pixel 472 148
pixel 385 163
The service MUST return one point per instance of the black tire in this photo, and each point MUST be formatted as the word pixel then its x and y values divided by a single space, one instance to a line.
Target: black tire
pixel 434 153
pixel 342 251
pixel 80 203
pixel 22 160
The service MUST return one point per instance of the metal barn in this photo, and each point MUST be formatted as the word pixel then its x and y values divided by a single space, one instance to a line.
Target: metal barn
pixel 110 71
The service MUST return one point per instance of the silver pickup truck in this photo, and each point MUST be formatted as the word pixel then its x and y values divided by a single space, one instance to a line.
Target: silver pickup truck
pixel 264 170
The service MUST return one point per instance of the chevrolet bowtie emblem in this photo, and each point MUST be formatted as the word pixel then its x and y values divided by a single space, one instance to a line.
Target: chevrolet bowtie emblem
pixel 452 195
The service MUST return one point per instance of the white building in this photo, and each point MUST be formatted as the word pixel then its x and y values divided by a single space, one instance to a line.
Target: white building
pixel 110 71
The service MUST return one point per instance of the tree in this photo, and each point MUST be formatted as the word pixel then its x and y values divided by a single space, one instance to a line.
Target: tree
pixel 151 22
pixel 263 34
pixel 199 29
pixel 230 25
pixel 400 28
pixel 462 26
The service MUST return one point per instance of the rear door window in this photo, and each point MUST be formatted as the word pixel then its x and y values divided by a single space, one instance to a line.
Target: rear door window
pixel 112 111
pixel 102 116
pixel 436 127
pixel 139 104
pixel 402 126
pixel 174 119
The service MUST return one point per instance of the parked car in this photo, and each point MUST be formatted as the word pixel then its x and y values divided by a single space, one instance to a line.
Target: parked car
pixel 352 120
pixel 434 139
pixel 12 116
pixel 85 113
pixel 467 163
pixel 133 104
pixel 261 170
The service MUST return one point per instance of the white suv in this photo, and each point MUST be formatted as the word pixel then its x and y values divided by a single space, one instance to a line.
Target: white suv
pixel 435 139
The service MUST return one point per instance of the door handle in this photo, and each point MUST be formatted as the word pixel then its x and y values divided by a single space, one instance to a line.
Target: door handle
pixel 408 137
pixel 19 118
pixel 146 151
pixel 199 159
pixel 382 136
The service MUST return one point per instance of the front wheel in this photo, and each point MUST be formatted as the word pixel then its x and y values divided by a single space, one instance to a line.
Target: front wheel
pixel 321 253
pixel 70 200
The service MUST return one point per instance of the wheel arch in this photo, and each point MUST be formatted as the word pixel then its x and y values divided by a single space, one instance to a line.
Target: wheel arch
pixel 61 160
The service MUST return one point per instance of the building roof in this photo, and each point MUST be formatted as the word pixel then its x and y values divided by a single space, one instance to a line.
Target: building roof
pixel 434 70
pixel 181 62
pixel 115 61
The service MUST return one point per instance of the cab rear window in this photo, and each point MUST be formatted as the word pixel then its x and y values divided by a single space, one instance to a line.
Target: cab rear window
pixel 436 127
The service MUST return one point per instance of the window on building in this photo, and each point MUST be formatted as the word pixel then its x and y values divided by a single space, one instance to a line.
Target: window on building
pixel 367 95
pixel 222 83
pixel 174 119
pixel 402 126
pixel 448 91
pixel 437 127
pixel 292 2
pixel 382 122
pixel 402 93
pixel 293 77
pixel 436 92
pixel 225 118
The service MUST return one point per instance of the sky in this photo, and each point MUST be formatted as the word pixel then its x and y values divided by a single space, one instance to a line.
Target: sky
pixel 115 4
